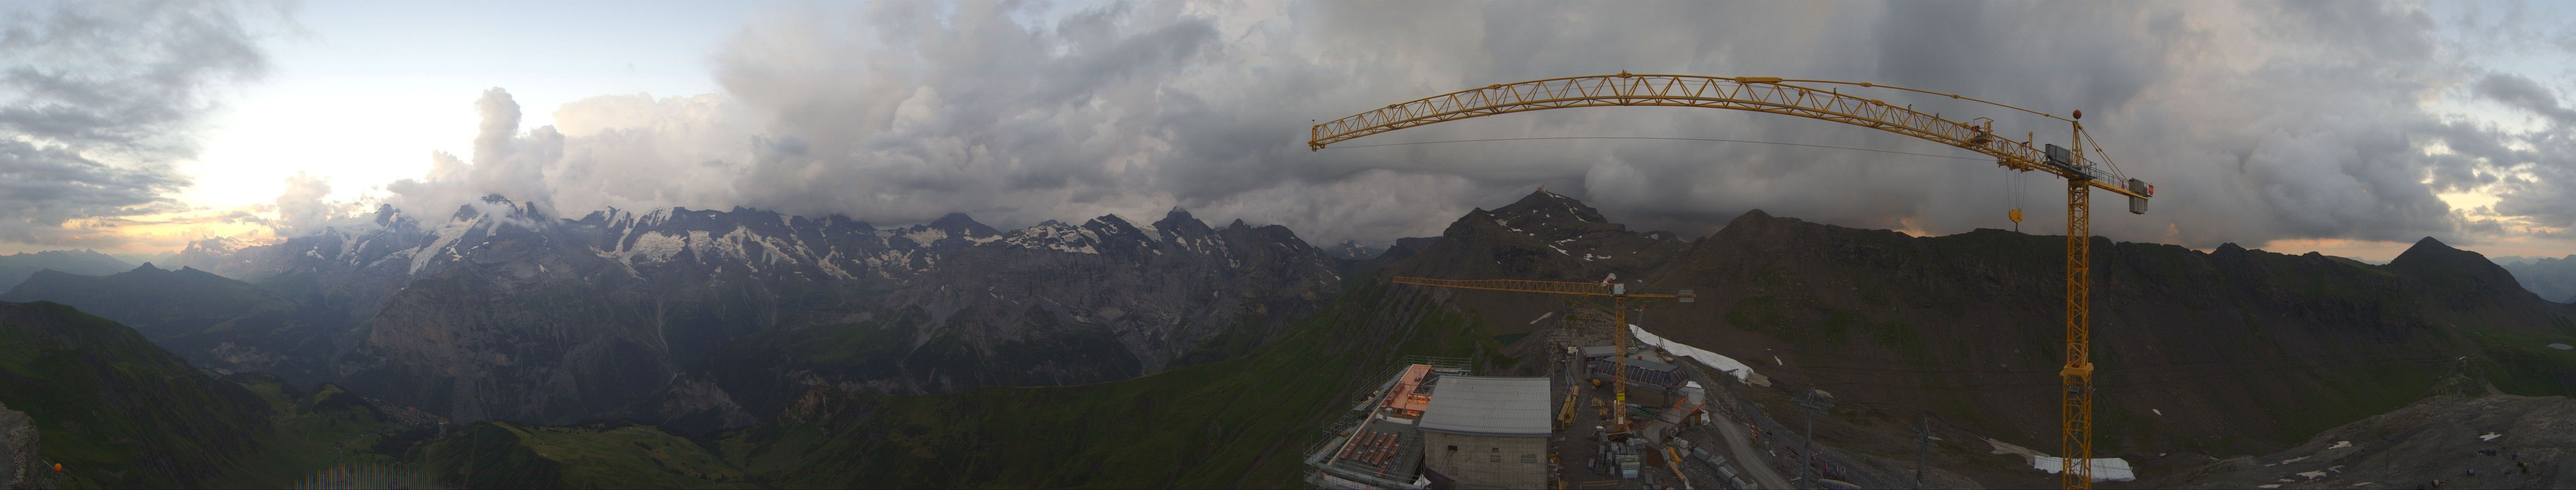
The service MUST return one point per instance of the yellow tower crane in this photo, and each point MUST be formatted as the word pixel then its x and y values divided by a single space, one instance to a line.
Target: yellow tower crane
pixel 1619 295
pixel 1803 98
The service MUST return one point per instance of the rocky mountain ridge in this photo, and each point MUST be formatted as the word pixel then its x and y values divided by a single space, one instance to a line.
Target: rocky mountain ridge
pixel 17 266
pixel 2552 278
pixel 214 322
pixel 501 311
pixel 1053 304
pixel 1175 334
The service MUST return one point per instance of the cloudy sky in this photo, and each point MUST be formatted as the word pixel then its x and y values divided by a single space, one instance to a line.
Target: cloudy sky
pixel 2349 128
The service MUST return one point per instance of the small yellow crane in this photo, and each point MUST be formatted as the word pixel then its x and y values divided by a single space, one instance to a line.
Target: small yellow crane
pixel 1619 295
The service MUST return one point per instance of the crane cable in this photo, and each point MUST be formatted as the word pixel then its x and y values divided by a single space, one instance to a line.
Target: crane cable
pixel 1657 138
pixel 2013 186
pixel 2013 190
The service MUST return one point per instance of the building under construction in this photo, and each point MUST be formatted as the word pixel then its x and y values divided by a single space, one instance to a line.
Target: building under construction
pixel 1643 371
pixel 1431 425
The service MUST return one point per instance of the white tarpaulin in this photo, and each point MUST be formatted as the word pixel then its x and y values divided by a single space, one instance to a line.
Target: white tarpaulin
pixel 2111 469
pixel 1742 372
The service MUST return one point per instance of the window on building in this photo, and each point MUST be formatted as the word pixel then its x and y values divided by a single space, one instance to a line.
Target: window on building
pixel 1493 458
pixel 1529 458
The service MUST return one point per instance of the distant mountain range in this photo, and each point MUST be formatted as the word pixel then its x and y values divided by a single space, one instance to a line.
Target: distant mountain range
pixel 2553 279
pixel 17 266
pixel 808 352
pixel 499 311
pixel 118 412
pixel 1352 249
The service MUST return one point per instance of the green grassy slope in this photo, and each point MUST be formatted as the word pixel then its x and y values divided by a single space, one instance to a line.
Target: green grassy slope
pixel 282 326
pixel 1241 422
pixel 882 351
pixel 115 410
pixel 311 432
pixel 2231 351
pixel 1244 421
pixel 119 412
pixel 157 302
pixel 506 455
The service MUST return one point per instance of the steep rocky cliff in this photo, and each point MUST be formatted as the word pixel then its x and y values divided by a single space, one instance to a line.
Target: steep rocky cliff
pixel 510 314
pixel 1053 304
pixel 500 311
pixel 20 467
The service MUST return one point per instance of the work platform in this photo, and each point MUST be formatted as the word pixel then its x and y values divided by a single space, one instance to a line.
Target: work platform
pixel 1378 445
pixel 1431 425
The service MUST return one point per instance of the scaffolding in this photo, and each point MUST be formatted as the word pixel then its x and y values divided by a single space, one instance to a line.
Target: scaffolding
pixel 1369 449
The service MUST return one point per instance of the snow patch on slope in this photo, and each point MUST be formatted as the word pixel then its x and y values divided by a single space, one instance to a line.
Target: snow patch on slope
pixel 1733 367
pixel 1055 236
pixel 447 236
pixel 2104 469
pixel 653 247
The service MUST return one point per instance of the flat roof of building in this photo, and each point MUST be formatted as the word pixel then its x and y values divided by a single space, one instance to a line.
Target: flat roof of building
pixel 1491 406
pixel 1649 365
pixel 1384 451
pixel 1409 393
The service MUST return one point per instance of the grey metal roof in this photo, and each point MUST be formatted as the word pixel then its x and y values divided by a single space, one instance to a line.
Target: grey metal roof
pixel 1599 351
pixel 1480 405
pixel 1648 365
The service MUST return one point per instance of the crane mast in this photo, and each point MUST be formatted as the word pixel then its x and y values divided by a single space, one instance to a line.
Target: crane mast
pixel 1823 99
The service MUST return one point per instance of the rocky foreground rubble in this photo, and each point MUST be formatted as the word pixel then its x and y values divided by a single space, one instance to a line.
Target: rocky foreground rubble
pixel 2494 441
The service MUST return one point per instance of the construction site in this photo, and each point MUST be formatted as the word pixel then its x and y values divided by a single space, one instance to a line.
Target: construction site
pixel 1618 406
pixel 1622 436
pixel 1007 244
pixel 1431 424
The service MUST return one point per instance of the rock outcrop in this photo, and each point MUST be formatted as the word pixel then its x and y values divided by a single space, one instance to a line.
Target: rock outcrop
pixel 19 466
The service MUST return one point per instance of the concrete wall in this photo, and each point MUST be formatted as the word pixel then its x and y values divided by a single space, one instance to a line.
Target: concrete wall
pixel 1487 461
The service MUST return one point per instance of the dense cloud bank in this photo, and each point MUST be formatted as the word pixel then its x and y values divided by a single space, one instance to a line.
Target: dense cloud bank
pixel 2257 121
pixel 97 99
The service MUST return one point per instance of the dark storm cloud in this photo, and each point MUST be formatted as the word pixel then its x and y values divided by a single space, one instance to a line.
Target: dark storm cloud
pixel 2258 121
pixel 2525 94
pixel 42 187
pixel 97 99
pixel 2534 177
pixel 966 108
